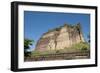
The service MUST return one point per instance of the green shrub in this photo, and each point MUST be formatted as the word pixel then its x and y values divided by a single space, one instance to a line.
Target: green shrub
pixel 57 51
pixel 81 46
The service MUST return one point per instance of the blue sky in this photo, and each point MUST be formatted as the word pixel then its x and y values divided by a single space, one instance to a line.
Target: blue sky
pixel 37 23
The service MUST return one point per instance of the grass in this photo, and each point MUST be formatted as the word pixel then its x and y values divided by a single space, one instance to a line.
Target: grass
pixel 35 53
pixel 80 47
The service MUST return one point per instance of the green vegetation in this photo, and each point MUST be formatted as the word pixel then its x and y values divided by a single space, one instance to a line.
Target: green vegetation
pixel 80 47
pixel 27 44
pixel 36 53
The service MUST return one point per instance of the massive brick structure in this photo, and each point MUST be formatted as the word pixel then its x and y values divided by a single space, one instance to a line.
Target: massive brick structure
pixel 59 38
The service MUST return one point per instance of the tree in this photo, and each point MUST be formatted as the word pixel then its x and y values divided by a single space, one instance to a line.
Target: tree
pixel 27 44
